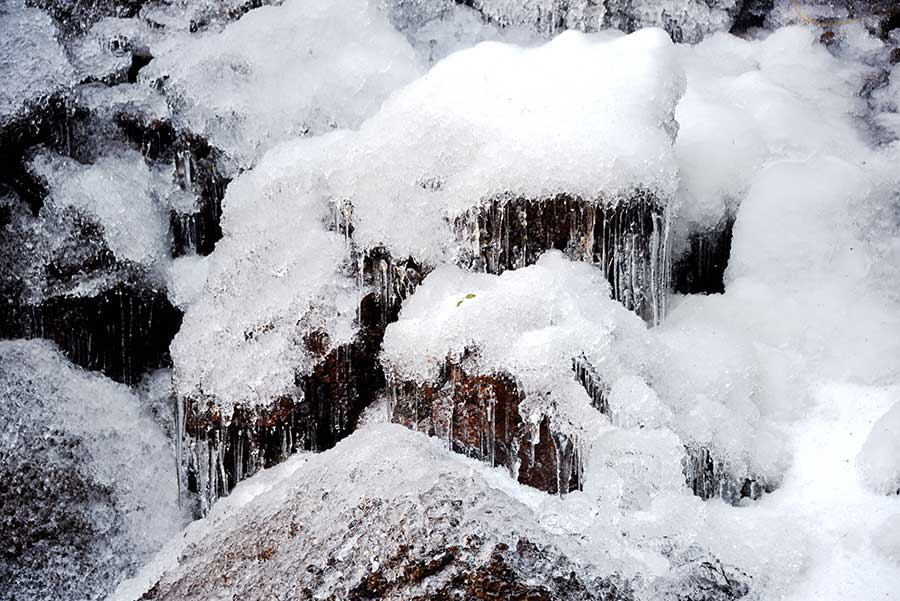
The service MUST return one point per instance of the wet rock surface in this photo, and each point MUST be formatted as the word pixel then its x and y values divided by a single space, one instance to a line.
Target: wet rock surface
pixel 478 416
pixel 626 239
pixel 225 449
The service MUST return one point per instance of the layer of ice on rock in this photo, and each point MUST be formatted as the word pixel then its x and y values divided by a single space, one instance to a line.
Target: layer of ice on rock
pixel 275 275
pixel 386 500
pixel 879 459
pixel 530 323
pixel 588 116
pixel 685 20
pixel 319 65
pixel 752 102
pixel 33 64
pixel 88 486
pixel 126 197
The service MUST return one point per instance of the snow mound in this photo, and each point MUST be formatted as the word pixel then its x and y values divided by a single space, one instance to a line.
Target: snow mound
pixel 531 323
pixel 270 280
pixel 89 488
pixel 879 459
pixel 318 66
pixel 750 103
pixel 584 115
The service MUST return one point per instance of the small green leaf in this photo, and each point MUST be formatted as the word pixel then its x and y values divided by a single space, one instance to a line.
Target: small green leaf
pixel 459 303
pixel 470 295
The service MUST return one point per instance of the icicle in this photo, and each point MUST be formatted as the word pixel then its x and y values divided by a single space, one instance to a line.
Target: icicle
pixel 180 433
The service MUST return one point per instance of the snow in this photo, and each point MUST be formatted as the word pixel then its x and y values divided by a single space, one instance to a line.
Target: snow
pixel 530 323
pixel 589 116
pixel 99 472
pixel 752 102
pixel 319 65
pixel 344 142
pixel 271 278
pixel 381 490
pixel 32 63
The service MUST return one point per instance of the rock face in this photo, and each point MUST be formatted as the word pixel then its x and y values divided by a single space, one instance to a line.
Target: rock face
pixel 345 379
pixel 123 332
pixel 478 416
pixel 627 240
pixel 416 524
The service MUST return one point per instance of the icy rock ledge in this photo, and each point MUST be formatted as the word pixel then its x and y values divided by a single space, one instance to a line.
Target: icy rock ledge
pixel 391 514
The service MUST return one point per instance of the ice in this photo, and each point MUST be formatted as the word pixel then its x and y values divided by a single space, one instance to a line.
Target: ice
pixel 89 491
pixel 387 499
pixel 104 53
pixel 879 459
pixel 686 20
pixel 319 66
pixel 187 277
pixel 32 63
pixel 530 323
pixel 122 193
pixel 273 276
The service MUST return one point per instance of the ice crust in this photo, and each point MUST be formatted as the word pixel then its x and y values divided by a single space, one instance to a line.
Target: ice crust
pixel 124 195
pixel 435 152
pixel 96 490
pixel 33 64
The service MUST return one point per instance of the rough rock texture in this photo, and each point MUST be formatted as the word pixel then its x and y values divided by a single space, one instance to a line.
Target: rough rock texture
pixel 406 524
pixel 626 238
pixel 478 416
pixel 391 514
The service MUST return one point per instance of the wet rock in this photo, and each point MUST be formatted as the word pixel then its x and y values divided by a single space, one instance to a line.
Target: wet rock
pixel 478 416
pixel 221 450
pixel 701 267
pixel 626 239
pixel 123 332
pixel 199 171
pixel 396 517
